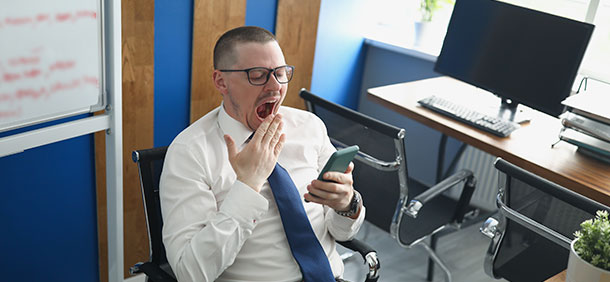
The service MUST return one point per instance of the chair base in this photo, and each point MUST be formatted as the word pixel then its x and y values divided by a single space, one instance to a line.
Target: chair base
pixel 438 260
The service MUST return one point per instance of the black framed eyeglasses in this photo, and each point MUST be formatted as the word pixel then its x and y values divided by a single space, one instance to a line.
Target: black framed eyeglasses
pixel 259 75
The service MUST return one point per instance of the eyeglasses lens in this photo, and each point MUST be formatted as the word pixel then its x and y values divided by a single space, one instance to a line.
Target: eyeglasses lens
pixel 260 76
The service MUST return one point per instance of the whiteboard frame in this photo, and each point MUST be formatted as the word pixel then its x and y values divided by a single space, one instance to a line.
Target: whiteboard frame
pixel 114 138
pixel 110 122
pixel 102 94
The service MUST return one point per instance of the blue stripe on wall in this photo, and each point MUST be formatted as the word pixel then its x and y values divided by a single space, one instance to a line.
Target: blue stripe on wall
pixel 173 42
pixel 339 57
pixel 48 213
pixel 262 13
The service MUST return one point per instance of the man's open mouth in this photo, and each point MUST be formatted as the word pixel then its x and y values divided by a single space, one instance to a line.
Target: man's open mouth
pixel 265 109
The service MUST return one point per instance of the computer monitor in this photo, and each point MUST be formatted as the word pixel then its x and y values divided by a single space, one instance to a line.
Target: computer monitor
pixel 521 55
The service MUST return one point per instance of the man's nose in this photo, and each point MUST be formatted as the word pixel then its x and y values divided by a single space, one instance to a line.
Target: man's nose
pixel 272 83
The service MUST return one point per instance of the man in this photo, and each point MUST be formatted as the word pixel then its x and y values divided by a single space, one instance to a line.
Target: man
pixel 221 219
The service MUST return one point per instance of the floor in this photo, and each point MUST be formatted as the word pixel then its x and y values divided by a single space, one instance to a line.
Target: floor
pixel 463 252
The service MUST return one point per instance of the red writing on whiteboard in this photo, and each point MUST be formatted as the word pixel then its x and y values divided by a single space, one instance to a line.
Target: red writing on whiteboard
pixel 24 61
pixel 10 113
pixel 17 21
pixel 91 80
pixel 62 65
pixel 86 14
pixel 6 97
pixel 60 17
pixel 9 77
pixel 37 93
pixel 42 17
pixel 33 73
pixel 65 86
pixel 24 93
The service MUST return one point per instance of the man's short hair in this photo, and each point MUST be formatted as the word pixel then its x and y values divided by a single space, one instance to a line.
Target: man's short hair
pixel 224 50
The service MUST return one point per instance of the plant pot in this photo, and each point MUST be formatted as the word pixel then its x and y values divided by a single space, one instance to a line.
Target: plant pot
pixel 423 30
pixel 582 271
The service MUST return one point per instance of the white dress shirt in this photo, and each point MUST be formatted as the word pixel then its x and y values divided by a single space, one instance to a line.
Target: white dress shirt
pixel 217 228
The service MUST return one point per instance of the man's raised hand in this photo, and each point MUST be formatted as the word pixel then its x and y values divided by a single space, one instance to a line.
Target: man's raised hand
pixel 255 162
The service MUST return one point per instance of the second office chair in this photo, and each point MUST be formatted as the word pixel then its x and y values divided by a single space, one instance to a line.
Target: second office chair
pixel 410 212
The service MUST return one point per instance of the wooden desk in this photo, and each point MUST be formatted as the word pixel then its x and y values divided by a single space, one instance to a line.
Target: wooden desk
pixel 528 147
pixel 560 277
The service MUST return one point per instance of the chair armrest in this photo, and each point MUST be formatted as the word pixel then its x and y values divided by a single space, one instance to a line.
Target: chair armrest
pixel 153 271
pixel 492 228
pixel 412 209
pixel 368 254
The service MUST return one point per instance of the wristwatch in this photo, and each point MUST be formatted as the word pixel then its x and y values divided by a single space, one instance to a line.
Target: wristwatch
pixel 353 205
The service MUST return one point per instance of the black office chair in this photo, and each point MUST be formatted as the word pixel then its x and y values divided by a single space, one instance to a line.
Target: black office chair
pixel 157 269
pixel 380 175
pixel 530 241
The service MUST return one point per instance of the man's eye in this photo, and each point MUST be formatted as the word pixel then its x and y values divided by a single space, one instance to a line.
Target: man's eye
pixel 257 74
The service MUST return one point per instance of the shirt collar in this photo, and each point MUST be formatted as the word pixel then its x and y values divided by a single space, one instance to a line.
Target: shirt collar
pixel 237 130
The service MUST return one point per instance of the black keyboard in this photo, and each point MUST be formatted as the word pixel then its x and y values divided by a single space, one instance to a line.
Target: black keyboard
pixel 491 124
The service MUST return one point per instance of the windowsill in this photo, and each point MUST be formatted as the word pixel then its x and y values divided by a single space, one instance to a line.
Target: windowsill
pixel 406 46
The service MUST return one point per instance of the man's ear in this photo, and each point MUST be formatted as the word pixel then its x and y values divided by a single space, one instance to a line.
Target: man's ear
pixel 219 81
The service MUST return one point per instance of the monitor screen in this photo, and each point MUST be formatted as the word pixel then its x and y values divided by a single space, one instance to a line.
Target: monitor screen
pixel 523 55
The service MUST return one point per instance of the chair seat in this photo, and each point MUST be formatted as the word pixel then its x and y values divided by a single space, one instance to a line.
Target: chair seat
pixel 556 260
pixel 158 273
pixel 432 215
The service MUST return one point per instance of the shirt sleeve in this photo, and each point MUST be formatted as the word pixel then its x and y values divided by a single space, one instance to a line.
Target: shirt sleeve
pixel 201 237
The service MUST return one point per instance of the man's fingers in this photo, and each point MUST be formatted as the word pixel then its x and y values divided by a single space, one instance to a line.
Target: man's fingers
pixel 350 168
pixel 274 126
pixel 279 145
pixel 338 177
pixel 262 129
pixel 231 148
pixel 276 136
pixel 320 192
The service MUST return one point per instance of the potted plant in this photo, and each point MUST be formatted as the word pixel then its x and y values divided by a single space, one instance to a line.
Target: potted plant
pixel 427 9
pixel 590 251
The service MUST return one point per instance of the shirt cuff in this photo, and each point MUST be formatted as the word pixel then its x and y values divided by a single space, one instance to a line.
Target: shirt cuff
pixel 244 204
pixel 347 227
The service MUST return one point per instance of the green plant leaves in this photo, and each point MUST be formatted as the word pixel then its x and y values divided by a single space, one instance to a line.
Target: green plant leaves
pixel 593 240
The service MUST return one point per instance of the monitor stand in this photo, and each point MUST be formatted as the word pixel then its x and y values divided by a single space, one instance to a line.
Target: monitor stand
pixel 510 110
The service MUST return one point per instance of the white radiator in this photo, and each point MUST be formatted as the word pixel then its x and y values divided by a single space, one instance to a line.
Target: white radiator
pixel 481 164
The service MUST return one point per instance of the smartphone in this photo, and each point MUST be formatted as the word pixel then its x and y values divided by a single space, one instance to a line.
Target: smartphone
pixel 339 160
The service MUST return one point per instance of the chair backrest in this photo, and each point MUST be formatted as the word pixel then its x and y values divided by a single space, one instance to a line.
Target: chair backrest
pixel 150 165
pixel 380 167
pixel 538 220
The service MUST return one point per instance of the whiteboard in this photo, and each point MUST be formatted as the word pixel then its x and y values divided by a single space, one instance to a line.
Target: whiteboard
pixel 50 60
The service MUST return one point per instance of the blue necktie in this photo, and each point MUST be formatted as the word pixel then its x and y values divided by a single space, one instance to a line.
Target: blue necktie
pixel 304 245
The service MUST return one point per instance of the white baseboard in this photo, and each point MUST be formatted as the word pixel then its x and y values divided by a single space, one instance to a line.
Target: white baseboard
pixel 137 278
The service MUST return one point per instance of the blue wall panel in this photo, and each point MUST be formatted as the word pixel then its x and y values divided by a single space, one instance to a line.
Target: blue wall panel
pixel 261 13
pixel 48 213
pixel 339 57
pixel 173 42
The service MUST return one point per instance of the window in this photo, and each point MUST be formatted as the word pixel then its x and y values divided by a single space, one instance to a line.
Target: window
pixel 397 22
pixel 597 61
pixel 393 22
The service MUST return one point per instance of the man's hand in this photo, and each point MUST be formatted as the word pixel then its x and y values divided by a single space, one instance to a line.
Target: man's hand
pixel 336 192
pixel 256 161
